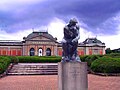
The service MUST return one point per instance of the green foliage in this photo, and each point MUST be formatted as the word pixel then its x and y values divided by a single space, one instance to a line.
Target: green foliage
pixel 108 51
pixel 4 63
pixel 83 58
pixel 13 59
pixel 37 59
pixel 109 63
pixel 113 55
pixel 89 58
pixel 106 65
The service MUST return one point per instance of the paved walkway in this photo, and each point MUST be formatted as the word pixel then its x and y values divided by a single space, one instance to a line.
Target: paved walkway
pixel 45 82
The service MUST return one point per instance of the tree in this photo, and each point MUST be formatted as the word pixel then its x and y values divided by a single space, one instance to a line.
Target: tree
pixel 108 51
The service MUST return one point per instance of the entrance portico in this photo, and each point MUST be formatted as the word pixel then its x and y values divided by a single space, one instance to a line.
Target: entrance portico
pixel 40 44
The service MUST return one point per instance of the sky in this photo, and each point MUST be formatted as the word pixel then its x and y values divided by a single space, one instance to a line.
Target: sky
pixel 97 18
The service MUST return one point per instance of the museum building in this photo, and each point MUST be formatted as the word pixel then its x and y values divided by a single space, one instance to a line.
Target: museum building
pixel 44 44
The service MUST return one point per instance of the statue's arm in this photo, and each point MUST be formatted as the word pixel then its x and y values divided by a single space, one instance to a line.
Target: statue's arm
pixel 65 33
pixel 78 35
pixel 63 40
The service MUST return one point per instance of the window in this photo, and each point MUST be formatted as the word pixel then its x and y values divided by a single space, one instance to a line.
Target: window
pixel 48 52
pixel 32 52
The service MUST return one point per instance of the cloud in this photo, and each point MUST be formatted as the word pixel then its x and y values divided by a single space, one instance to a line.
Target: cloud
pixel 110 26
pixel 14 36
pixel 25 17
pixel 55 28
pixel 3 3
pixel 111 41
pixel 96 17
pixel 26 14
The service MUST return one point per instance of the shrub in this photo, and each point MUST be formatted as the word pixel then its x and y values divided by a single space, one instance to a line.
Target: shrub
pixel 83 58
pixel 1 68
pixel 4 63
pixel 106 65
pixel 37 59
pixel 114 55
pixel 89 59
pixel 13 59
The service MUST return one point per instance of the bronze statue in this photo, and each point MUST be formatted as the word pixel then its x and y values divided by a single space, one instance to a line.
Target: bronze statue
pixel 70 41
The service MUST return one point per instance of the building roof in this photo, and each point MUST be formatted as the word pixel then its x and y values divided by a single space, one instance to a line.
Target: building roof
pixel 91 40
pixel 44 34
pixel 10 42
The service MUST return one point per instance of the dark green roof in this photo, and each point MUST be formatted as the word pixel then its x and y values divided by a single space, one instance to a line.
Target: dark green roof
pixel 91 40
pixel 44 34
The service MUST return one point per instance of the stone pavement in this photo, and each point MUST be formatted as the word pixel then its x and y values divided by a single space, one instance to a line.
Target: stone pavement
pixel 49 82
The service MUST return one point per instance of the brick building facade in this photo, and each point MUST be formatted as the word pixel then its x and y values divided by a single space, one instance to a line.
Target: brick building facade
pixel 44 44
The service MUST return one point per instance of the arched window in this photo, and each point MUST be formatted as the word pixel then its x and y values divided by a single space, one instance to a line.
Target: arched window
pixel 40 52
pixel 32 52
pixel 48 52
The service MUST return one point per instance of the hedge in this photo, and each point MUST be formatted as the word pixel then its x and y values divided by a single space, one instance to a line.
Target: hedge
pixel 106 65
pixel 54 59
pixel 37 59
pixel 89 58
pixel 113 55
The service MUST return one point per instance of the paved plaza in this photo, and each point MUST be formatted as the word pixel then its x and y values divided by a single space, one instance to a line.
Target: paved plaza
pixel 49 82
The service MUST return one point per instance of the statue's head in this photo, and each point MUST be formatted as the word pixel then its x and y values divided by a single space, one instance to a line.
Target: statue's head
pixel 73 21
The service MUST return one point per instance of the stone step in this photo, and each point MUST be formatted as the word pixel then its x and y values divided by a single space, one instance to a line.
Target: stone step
pixel 19 65
pixel 37 73
pixel 34 69
pixel 34 66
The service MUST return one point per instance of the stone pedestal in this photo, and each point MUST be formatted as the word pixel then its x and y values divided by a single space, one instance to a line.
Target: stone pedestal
pixel 72 76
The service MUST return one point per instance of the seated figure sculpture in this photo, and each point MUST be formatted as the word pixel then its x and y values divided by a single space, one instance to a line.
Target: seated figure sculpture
pixel 70 42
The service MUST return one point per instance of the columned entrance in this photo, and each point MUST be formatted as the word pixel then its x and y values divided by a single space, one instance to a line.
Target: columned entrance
pixel 48 52
pixel 40 52
pixel 32 52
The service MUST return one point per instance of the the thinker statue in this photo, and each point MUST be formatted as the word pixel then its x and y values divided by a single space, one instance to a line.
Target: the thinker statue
pixel 70 42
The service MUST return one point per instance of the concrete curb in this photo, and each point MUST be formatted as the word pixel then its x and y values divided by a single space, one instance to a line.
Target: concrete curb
pixel 105 74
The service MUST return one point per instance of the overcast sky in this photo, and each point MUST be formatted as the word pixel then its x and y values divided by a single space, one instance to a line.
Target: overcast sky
pixel 97 18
